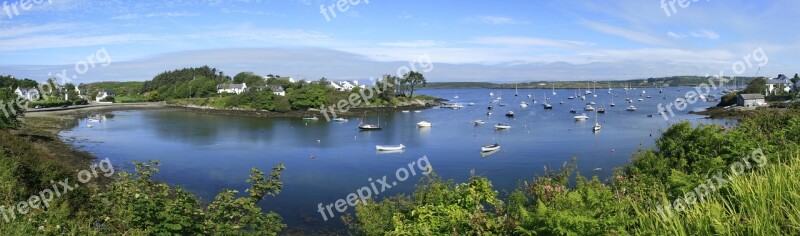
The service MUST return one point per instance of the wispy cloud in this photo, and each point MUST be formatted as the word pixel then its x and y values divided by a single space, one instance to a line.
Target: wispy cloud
pixel 707 34
pixel 413 44
pixel 499 20
pixel 517 41
pixel 622 32
pixel 134 16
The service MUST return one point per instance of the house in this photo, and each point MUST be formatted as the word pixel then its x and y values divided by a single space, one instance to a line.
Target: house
pixel 277 90
pixel 290 79
pixel 780 82
pixel 750 100
pixel 345 85
pixel 30 94
pixel 81 93
pixel 104 94
pixel 231 88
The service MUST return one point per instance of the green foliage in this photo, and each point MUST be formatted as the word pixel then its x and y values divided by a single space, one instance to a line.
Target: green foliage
pixel 757 85
pixel 49 103
pixel 185 83
pixel 414 79
pixel 249 78
pixel 312 96
pixel 9 110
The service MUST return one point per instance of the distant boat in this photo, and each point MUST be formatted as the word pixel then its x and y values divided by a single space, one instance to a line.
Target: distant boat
pixel 489 153
pixel 640 99
pixel 554 89
pixel 489 107
pixel 596 124
pixel 471 104
pixel 390 148
pixel 592 103
pixel 510 114
pixel 570 97
pixel 516 91
pixel 340 119
pixel 89 126
pixel 490 148
pixel 478 122
pixel 310 118
pixel 489 113
pixel 631 108
pixel 502 126
pixel 417 111
pixel 581 117
pixel 94 120
pixel 572 110
pixel 547 106
pixel 423 124
pixel 491 94
pixel 365 126
pixel 588 108
pixel 529 95
pixel 561 102
pixel 523 104
pixel 406 111
pixel 612 102
pixel 601 110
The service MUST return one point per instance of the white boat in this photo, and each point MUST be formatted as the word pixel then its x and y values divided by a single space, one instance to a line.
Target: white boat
pixel 631 108
pixel 510 114
pixel 640 99
pixel 390 148
pixel 365 126
pixel 490 148
pixel 94 120
pixel 491 94
pixel 417 111
pixel 502 126
pixel 406 111
pixel 89 126
pixel 523 104
pixel 588 108
pixel 596 126
pixel 310 118
pixel 471 104
pixel 581 117
pixel 592 103
pixel 554 89
pixel 423 124
pixel 478 122
pixel 340 119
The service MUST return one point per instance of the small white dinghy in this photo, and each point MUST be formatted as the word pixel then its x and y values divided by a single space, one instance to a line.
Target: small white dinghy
pixel 502 126
pixel 478 122
pixel 390 148
pixel 340 119
pixel 581 117
pixel 490 148
pixel 424 124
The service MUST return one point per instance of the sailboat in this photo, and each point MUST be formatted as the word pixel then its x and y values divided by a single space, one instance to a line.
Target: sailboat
pixel 612 102
pixel 588 90
pixel 609 87
pixel 390 148
pixel 596 124
pixel 546 104
pixel 601 109
pixel 516 90
pixel 595 90
pixel 554 89
pixel 365 126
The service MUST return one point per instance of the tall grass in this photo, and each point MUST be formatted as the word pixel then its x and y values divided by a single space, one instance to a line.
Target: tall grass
pixel 761 202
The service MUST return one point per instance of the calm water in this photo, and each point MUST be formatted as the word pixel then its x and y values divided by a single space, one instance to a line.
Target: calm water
pixel 206 153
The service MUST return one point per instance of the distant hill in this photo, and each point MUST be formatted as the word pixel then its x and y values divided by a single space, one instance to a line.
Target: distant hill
pixel 672 81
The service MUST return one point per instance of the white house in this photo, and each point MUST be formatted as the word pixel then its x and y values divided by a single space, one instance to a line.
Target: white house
pixel 775 83
pixel 30 94
pixel 277 90
pixel 345 85
pixel 231 88
pixel 104 94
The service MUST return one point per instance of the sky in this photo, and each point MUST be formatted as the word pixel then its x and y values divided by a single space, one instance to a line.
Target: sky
pixel 495 41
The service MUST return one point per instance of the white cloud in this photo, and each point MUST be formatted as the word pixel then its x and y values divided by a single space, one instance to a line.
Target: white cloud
pixel 413 44
pixel 133 16
pixel 498 20
pixel 622 32
pixel 516 41
pixel 706 34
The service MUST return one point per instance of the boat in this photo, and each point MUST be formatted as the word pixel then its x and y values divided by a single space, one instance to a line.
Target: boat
pixel 523 104
pixel 529 95
pixel 581 117
pixel 340 119
pixel 572 110
pixel 502 126
pixel 510 114
pixel 365 126
pixel 390 148
pixel 490 148
pixel 491 94
pixel 592 103
pixel 596 124
pixel 489 107
pixel 612 102
pixel 640 99
pixel 94 120
pixel 89 126
pixel 471 104
pixel 424 124
pixel 489 113
pixel 456 96
pixel 570 97
pixel 588 108
pixel 489 153
pixel 561 102
pixel 406 111
pixel 516 91
pixel 601 110
pixel 478 122
pixel 554 89
pixel 547 106
pixel 417 111
pixel 310 118
pixel 588 90
pixel 631 108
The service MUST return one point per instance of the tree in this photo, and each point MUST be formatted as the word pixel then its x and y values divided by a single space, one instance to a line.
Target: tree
pixel 249 78
pixel 795 78
pixel 757 85
pixel 9 111
pixel 413 79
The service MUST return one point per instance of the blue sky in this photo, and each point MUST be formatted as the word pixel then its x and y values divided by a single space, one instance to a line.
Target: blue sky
pixel 466 40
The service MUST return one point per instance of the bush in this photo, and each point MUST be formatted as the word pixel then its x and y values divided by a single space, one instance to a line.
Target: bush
pixel 49 103
pixel 108 99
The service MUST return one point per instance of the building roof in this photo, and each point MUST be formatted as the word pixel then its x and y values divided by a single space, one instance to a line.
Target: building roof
pixel 276 88
pixel 751 96
pixel 778 81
